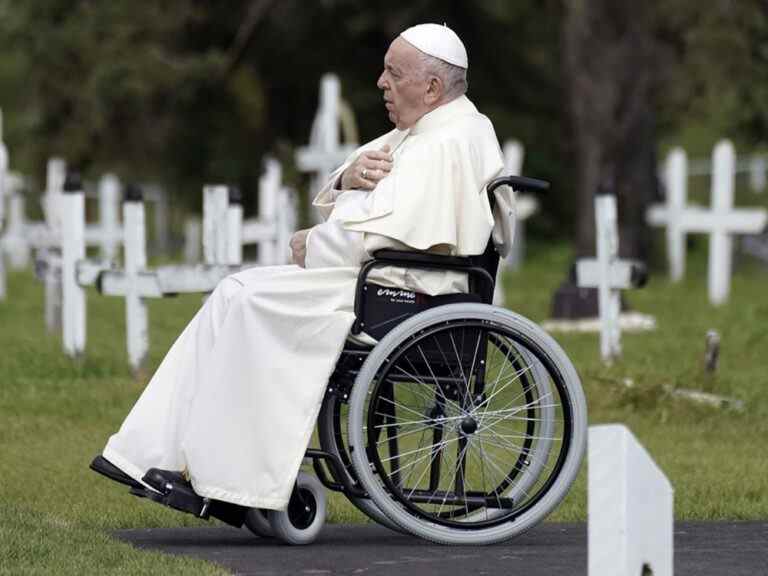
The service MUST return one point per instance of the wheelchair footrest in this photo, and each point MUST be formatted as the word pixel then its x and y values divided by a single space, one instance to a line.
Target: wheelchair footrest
pixel 183 498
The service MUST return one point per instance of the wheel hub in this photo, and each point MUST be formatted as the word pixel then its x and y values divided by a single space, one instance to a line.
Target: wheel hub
pixel 302 508
pixel 468 425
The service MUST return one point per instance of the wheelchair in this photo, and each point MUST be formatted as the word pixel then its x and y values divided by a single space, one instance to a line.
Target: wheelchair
pixel 464 424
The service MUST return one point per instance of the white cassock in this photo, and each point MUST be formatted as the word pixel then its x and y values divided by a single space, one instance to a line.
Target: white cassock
pixel 236 398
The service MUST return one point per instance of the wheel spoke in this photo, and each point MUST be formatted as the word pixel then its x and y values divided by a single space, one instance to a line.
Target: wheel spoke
pixel 514 379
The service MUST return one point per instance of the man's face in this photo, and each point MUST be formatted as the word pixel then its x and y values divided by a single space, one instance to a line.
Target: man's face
pixel 403 84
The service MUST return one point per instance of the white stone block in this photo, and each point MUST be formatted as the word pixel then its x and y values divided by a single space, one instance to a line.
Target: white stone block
pixel 630 507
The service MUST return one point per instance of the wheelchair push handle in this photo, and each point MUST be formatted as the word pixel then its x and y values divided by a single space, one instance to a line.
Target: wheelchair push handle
pixel 520 183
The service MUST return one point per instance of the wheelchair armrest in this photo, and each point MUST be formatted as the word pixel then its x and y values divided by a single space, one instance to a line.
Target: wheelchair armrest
pixel 520 183
pixel 481 281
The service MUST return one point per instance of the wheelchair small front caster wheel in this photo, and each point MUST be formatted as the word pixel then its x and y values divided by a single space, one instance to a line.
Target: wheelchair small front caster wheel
pixel 302 521
pixel 256 521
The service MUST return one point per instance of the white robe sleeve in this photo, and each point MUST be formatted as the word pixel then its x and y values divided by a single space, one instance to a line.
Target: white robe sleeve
pixel 325 200
pixel 329 245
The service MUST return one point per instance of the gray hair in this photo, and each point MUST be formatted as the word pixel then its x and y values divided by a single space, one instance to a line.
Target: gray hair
pixel 454 77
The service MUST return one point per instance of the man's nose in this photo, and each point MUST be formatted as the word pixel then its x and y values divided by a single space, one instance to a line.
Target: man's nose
pixel 381 83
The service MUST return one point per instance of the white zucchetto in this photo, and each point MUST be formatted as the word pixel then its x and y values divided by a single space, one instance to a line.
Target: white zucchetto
pixel 438 41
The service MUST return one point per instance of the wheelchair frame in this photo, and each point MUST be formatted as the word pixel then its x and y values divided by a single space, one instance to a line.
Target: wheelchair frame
pixel 332 461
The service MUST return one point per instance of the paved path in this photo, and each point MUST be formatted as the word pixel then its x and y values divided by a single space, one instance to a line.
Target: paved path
pixel 701 549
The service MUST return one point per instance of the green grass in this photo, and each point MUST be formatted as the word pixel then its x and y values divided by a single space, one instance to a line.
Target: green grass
pixel 716 459
pixel 56 414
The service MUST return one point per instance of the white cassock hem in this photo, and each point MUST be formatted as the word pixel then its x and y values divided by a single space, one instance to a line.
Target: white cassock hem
pixel 240 499
pixel 252 501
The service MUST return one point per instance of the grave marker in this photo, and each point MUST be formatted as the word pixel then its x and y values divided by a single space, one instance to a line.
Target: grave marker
pixel 758 166
pixel 3 176
pixel 671 214
pixel 215 237
pixel 325 152
pixel 72 212
pixel 108 234
pixel 14 243
pixel 630 507
pixel 56 173
pixel 3 170
pixel 136 283
pixel 276 221
pixel 525 206
pixel 721 222
pixel 193 239
pixel 135 256
pixel 609 275
pixel 724 221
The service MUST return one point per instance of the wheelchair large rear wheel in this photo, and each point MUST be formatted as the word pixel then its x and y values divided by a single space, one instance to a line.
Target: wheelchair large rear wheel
pixel 467 424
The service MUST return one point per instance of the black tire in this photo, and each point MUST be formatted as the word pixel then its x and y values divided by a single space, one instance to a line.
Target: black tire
pixel 256 521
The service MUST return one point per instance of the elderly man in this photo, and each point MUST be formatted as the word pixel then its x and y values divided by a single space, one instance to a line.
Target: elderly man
pixel 231 409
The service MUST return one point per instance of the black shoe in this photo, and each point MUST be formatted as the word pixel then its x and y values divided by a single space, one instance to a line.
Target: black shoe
pixel 106 468
pixel 163 480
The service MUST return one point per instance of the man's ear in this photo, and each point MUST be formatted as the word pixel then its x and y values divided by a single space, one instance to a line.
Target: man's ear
pixel 435 90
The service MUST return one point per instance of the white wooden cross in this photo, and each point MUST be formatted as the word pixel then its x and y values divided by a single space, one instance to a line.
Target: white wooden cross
pixel 671 214
pixel 721 222
pixel 525 206
pixel 11 245
pixel 3 171
pixel 56 172
pixel 107 233
pixel 609 275
pixel 68 272
pixel 23 236
pixel 157 196
pixel 3 176
pixel 724 221
pixel 630 507
pixel 12 220
pixel 136 282
pixel 271 230
pixel 71 207
pixel 15 244
pixel 215 207
pixel 758 166
pixel 325 152
pixel 276 221
pixel 193 240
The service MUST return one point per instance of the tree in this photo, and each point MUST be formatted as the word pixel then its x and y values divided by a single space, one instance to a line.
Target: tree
pixel 608 65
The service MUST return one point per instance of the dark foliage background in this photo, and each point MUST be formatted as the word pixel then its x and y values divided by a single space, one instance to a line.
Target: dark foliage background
pixel 187 92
